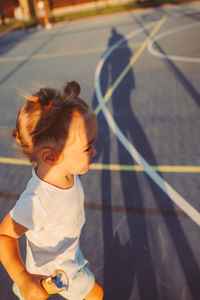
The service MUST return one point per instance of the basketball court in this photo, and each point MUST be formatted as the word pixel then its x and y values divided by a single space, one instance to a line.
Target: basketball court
pixel 140 73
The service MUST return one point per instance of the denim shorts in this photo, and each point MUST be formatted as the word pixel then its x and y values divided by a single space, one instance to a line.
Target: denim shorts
pixel 80 284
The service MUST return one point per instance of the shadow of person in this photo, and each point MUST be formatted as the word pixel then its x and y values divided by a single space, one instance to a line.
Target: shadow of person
pixel 121 266
pixel 137 254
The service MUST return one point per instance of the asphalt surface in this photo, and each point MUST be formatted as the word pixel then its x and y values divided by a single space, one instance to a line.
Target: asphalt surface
pixel 140 244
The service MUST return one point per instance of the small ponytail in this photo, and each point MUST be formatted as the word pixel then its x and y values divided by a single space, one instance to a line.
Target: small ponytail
pixel 43 98
pixel 72 90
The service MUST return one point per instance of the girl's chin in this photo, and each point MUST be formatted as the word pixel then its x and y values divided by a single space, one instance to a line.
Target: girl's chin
pixel 84 170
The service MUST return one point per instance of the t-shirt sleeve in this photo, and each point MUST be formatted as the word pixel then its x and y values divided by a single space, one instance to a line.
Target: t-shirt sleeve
pixel 29 212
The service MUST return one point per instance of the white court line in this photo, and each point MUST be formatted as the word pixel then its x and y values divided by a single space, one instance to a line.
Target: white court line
pixel 155 52
pixel 166 188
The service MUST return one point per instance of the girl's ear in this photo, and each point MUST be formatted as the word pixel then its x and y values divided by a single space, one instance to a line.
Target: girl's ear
pixel 49 156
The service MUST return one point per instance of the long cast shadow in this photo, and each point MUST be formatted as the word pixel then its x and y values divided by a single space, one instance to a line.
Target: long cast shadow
pixel 119 260
pixel 122 265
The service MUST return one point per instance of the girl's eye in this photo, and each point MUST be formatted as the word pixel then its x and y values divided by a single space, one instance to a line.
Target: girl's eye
pixel 88 149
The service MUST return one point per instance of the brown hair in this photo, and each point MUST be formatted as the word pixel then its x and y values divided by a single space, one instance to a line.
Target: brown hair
pixel 45 117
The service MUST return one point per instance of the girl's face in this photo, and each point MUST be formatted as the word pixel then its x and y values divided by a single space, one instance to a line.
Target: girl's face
pixel 79 148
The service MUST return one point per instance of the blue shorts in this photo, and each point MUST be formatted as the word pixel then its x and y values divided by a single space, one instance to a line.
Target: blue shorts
pixel 80 284
pixel 41 13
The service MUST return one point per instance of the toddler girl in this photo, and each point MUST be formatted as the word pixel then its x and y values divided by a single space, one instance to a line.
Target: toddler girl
pixel 56 131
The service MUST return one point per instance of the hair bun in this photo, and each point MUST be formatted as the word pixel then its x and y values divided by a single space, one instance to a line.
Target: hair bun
pixel 45 95
pixel 72 90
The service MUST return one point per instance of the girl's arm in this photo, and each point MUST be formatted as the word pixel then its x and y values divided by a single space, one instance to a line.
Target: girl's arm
pixel 10 257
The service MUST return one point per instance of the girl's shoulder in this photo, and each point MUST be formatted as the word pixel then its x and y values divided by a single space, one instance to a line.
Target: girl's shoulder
pixel 28 209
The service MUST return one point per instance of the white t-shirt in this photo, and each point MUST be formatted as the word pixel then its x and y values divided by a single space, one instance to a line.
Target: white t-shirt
pixel 54 218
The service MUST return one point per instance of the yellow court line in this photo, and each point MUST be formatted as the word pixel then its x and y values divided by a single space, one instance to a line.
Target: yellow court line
pixel 14 161
pixel 130 64
pixel 137 168
pixel 114 167
pixel 11 59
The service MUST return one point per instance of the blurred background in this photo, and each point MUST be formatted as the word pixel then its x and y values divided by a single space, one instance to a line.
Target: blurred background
pixel 62 10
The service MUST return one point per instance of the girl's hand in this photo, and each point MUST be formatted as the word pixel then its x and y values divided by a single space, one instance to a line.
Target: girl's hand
pixel 30 287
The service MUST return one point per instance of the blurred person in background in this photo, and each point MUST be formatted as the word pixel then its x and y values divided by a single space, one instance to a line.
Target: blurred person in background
pixel 19 16
pixel 42 15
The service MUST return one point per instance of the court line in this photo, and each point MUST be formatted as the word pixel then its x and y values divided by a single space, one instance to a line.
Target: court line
pixel 138 168
pixel 59 54
pixel 165 187
pixel 154 52
pixel 146 211
pixel 114 167
pixel 14 161
pixel 111 49
pixel 130 64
